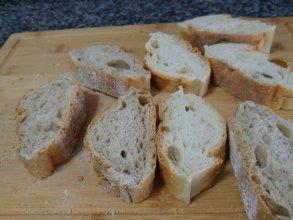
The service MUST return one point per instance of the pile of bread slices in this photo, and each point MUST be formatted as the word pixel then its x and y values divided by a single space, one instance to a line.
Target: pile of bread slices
pixel 190 139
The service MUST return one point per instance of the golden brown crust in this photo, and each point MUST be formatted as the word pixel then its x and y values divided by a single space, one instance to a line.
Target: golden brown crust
pixel 177 184
pixel 101 166
pixel 246 88
pixel 43 162
pixel 114 85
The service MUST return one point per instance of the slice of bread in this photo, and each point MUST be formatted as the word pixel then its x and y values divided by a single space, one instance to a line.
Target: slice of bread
pixel 212 29
pixel 248 74
pixel 109 69
pixel 48 121
pixel 191 144
pixel 122 146
pixel 173 62
pixel 261 152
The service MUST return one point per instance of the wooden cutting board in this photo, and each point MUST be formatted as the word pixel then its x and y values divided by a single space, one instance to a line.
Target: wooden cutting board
pixel 28 60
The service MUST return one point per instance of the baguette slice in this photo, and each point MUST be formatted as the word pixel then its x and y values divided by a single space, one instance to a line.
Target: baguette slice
pixel 191 143
pixel 212 29
pixel 122 148
pixel 261 152
pixel 174 63
pixel 108 69
pixel 249 75
pixel 48 121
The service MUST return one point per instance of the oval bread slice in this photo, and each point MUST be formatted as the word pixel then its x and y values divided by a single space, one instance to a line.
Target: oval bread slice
pixel 248 74
pixel 261 153
pixel 122 148
pixel 173 62
pixel 191 143
pixel 48 121
pixel 212 29
pixel 108 69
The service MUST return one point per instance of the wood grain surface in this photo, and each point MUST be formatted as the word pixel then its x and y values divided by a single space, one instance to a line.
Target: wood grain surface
pixel 28 60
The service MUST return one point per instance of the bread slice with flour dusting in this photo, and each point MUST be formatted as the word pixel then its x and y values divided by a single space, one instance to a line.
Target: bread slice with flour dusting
pixel 108 69
pixel 261 153
pixel 249 75
pixel 173 62
pixel 48 121
pixel 122 146
pixel 212 29
pixel 191 143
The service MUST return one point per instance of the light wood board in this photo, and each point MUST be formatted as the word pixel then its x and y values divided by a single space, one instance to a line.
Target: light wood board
pixel 28 60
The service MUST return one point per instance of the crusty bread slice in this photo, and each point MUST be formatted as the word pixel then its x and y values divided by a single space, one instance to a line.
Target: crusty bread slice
pixel 48 121
pixel 108 69
pixel 173 62
pixel 122 146
pixel 211 29
pixel 261 152
pixel 191 144
pixel 249 75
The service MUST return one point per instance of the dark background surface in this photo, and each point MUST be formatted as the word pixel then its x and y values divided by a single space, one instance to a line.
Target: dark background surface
pixel 29 15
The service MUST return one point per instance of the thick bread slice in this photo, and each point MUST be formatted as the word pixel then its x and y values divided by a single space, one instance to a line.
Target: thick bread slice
pixel 173 62
pixel 249 75
pixel 261 152
pixel 109 69
pixel 48 121
pixel 122 146
pixel 191 143
pixel 212 29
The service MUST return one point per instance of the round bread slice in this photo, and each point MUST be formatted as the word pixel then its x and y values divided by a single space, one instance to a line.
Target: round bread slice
pixel 173 62
pixel 48 121
pixel 261 153
pixel 191 143
pixel 212 29
pixel 122 146
pixel 248 74
pixel 108 69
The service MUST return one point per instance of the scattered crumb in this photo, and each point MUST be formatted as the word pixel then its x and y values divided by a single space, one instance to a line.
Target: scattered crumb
pixel 40 77
pixel 80 178
pixel 56 64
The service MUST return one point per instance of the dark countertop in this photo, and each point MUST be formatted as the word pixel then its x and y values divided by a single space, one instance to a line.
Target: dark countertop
pixel 33 15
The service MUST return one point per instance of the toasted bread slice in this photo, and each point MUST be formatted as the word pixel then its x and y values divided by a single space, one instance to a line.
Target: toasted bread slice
pixel 108 69
pixel 191 143
pixel 212 29
pixel 48 121
pixel 173 62
pixel 262 158
pixel 122 146
pixel 248 74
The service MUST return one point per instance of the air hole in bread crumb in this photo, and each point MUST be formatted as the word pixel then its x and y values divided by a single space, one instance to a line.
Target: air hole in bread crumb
pixel 189 108
pixel 166 64
pixel 174 155
pixel 123 153
pixel 267 139
pixel 98 138
pixel 165 129
pixel 126 171
pixel 59 114
pixel 123 105
pixel 23 119
pixel 136 164
pixel 284 130
pixel 155 44
pixel 140 145
pixel 260 156
pixel 119 64
pixel 266 75
pixel 143 100
pixel 256 76
pixel 79 59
